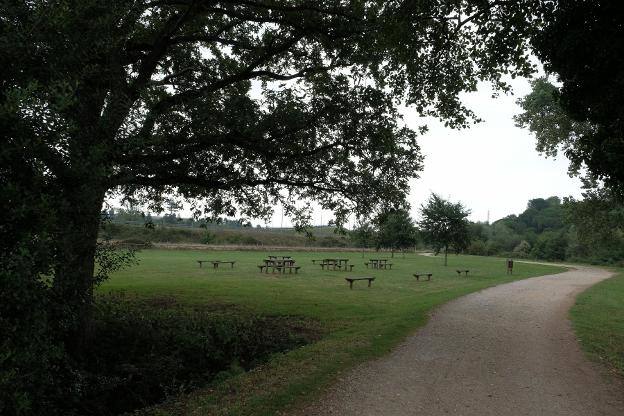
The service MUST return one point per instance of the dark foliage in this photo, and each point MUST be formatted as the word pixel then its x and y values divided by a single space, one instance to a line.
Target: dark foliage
pixel 143 352
pixel 582 42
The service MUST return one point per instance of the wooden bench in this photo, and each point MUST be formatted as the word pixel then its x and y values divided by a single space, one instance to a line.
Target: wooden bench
pixel 215 263
pixel 333 265
pixel 417 275
pixel 379 265
pixel 266 267
pixel 459 272
pixel 207 261
pixel 353 279
pixel 291 268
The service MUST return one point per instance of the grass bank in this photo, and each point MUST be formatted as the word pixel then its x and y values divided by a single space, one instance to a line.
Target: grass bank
pixel 358 324
pixel 598 319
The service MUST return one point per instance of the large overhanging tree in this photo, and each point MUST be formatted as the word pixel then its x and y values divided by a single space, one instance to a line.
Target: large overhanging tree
pixel 581 42
pixel 235 104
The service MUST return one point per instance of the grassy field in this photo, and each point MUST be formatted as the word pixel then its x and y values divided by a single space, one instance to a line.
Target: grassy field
pixel 598 318
pixel 359 324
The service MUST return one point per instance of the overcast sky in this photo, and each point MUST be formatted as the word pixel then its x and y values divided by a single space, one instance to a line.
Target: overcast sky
pixel 491 166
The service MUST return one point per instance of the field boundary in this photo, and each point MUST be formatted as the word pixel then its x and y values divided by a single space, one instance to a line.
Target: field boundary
pixel 228 247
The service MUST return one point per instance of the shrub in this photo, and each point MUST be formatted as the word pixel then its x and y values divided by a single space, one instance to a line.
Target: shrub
pixel 550 245
pixel 332 242
pixel 477 248
pixel 522 250
pixel 145 352
pixel 209 238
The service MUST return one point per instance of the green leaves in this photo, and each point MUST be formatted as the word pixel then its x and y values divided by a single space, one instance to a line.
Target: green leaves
pixel 444 224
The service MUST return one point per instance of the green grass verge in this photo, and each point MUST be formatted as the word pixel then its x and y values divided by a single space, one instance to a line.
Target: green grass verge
pixel 598 319
pixel 359 324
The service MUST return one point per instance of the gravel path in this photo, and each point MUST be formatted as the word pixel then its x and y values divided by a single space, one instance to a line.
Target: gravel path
pixel 508 350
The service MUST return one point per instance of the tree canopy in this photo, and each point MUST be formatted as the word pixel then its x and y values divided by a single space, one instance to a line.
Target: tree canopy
pixel 396 230
pixel 444 225
pixel 235 105
pixel 582 43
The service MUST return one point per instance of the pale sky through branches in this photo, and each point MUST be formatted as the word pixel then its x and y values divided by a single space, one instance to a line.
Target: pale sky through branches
pixel 491 166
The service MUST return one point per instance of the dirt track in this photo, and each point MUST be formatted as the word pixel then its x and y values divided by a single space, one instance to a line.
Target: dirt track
pixel 507 350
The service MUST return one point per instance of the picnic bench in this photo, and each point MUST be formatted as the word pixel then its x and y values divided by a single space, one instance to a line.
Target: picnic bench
pixel 215 263
pixel 353 279
pixel 329 264
pixel 417 275
pixel 280 265
pixel 342 264
pixel 291 268
pixel 459 272
pixel 378 264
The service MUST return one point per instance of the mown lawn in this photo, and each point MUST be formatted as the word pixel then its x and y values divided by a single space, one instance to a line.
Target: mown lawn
pixel 598 319
pixel 359 324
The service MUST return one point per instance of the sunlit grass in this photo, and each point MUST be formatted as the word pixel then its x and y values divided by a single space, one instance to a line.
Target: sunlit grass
pixel 598 319
pixel 360 324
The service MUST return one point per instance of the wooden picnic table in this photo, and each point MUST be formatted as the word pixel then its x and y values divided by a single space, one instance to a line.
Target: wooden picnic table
pixel 280 264
pixel 378 264
pixel 342 264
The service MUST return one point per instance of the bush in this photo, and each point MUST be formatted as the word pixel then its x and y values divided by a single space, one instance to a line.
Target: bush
pixel 477 248
pixel 209 238
pixel 143 353
pixel 522 250
pixel 332 242
pixel 35 373
pixel 550 245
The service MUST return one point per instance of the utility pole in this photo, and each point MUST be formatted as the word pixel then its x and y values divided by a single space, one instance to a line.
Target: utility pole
pixel 282 221
pixel 488 217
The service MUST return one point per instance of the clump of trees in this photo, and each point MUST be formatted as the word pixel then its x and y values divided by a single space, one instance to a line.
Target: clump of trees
pixel 591 229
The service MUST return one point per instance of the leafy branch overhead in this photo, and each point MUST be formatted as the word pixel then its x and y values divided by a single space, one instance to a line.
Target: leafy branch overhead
pixel 581 44
pixel 234 102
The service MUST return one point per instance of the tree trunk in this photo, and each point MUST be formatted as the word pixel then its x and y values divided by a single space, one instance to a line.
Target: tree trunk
pixel 446 255
pixel 79 222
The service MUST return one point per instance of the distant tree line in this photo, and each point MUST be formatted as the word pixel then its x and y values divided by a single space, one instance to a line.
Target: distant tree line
pixel 551 229
pixel 591 229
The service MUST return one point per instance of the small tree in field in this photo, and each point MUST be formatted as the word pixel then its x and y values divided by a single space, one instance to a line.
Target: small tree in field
pixel 396 230
pixel 363 236
pixel 444 225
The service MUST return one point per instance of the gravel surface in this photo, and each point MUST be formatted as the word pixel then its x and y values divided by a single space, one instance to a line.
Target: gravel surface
pixel 507 350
